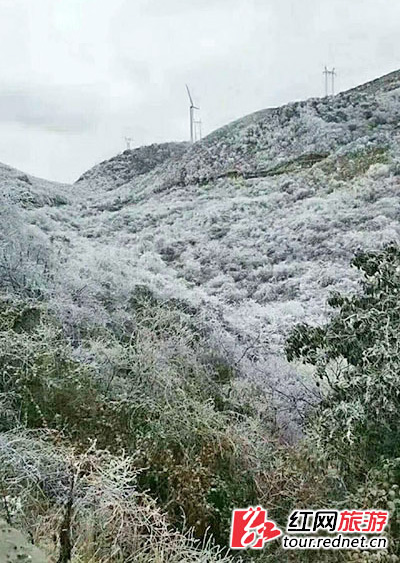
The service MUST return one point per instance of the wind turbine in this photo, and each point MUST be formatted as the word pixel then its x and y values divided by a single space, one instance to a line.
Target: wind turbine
pixel 192 107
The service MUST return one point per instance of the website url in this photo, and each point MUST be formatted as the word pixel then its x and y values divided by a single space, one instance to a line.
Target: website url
pixel 336 542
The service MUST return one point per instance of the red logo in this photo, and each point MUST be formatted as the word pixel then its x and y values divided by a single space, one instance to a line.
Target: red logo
pixel 251 529
pixel 366 521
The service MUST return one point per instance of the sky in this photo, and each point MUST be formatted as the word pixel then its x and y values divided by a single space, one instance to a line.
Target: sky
pixel 78 76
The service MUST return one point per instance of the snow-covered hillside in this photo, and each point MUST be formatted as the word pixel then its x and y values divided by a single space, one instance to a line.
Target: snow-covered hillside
pixel 252 227
pixel 260 219
pixel 131 163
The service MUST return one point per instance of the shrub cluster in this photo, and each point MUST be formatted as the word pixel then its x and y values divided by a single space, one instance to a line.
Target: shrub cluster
pixel 153 413
pixel 134 442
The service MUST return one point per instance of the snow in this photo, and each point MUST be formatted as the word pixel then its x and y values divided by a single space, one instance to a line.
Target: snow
pixel 253 226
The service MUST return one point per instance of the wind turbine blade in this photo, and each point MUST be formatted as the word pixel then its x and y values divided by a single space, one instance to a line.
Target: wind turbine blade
pixel 190 97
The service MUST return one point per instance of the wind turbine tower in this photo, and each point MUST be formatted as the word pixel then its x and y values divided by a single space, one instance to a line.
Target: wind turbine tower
pixel 197 130
pixel 192 109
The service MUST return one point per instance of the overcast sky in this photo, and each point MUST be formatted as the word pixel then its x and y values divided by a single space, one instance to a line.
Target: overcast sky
pixel 77 76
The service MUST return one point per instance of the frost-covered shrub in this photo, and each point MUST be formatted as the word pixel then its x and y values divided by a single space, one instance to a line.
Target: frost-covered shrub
pixel 356 353
pixel 355 429
pixel 152 391
pixel 82 506
pixel 25 254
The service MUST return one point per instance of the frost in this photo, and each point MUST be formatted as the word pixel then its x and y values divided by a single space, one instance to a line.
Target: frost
pixel 254 225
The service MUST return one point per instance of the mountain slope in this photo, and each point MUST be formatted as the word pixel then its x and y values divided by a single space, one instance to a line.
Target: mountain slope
pixel 252 227
pixel 131 163
pixel 270 141
pixel 138 306
pixel 261 218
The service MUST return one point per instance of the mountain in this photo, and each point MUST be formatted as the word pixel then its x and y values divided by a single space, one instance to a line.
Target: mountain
pixel 28 191
pixel 269 142
pixel 131 163
pixel 139 306
pixel 252 227
pixel 260 219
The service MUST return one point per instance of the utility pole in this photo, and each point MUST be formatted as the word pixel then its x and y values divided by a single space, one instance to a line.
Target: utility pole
pixel 326 72
pixel 128 141
pixel 192 108
pixel 329 74
pixel 333 81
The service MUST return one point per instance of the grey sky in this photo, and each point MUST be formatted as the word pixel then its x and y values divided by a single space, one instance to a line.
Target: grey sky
pixel 77 76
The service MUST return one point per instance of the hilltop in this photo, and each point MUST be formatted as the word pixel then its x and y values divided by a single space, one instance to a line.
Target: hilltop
pixel 131 163
pixel 269 142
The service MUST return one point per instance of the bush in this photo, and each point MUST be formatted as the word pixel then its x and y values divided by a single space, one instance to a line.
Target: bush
pixel 87 506
pixel 154 395
pixel 356 429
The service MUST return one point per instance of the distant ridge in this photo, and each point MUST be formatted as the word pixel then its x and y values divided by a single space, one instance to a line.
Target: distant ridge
pixel 388 82
pixel 124 167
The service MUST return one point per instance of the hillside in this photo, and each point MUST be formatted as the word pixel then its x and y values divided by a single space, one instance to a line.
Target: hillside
pixel 144 310
pixel 131 163
pixel 253 226
pixel 259 220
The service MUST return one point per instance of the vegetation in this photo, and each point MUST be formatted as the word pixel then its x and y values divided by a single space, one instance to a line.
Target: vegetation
pixel 355 430
pixel 143 313
pixel 141 422
pixel 356 163
pixel 136 445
